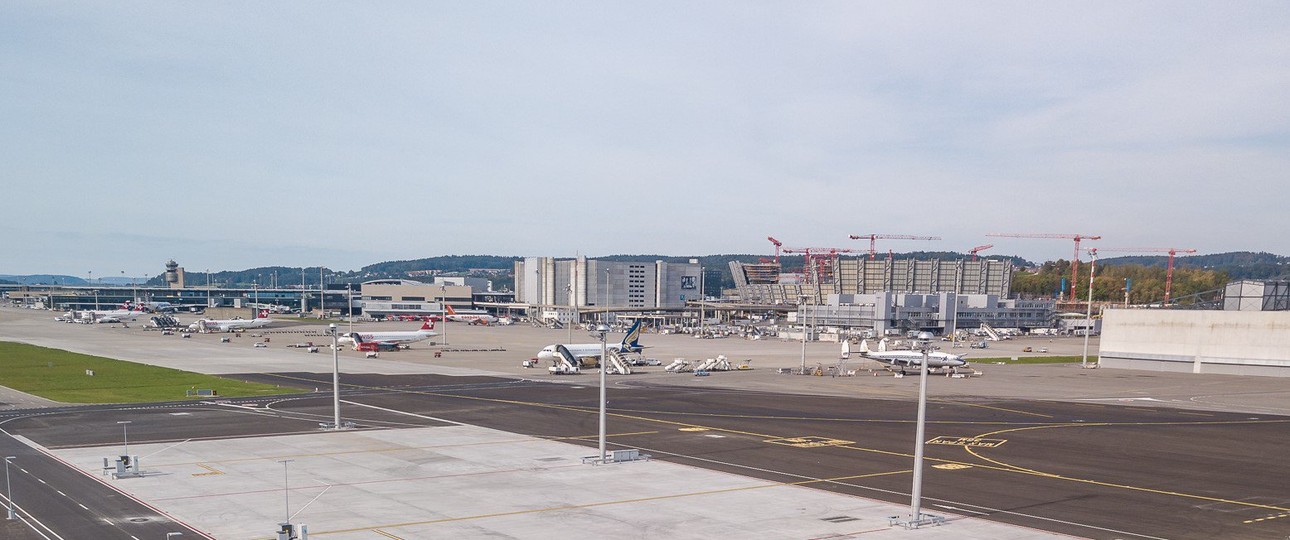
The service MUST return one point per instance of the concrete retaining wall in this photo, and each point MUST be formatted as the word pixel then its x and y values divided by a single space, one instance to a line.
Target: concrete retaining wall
pixel 1229 342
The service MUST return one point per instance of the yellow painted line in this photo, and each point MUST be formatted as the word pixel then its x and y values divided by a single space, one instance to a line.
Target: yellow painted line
pixel 1014 468
pixel 385 534
pixel 692 429
pixel 583 437
pixel 211 471
pixel 998 409
pixel 1267 518
pixel 1001 466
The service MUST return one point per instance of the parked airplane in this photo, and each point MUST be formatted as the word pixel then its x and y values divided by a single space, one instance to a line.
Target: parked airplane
pixel 126 312
pixel 231 325
pixel 911 359
pixel 472 317
pixel 358 339
pixel 629 344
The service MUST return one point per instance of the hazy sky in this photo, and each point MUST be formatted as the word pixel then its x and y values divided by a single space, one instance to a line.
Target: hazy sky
pixel 229 135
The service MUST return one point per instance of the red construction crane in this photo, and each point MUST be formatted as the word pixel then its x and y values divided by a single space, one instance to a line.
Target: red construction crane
pixel 1074 260
pixel 816 259
pixel 874 237
pixel 1169 272
pixel 777 246
pixel 979 249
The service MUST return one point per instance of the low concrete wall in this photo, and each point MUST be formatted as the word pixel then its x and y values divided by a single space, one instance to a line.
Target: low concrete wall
pixel 1228 342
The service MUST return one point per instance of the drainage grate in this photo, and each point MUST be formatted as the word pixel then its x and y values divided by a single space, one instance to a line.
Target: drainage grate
pixel 840 519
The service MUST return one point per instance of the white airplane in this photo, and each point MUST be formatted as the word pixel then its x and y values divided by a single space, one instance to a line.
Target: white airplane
pixel 231 325
pixel 357 339
pixel 125 313
pixel 630 344
pixel 472 318
pixel 911 359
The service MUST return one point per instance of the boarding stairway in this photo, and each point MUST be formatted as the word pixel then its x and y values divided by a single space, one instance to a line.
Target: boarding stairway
pixel 990 331
pixel 565 362
pixel 616 365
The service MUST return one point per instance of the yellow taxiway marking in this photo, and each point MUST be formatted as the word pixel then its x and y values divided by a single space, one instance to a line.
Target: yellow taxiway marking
pixel 976 442
pixel 951 466
pixel 692 429
pixel 385 534
pixel 809 442
pixel 1018 469
pixel 1001 409
pixel 997 465
pixel 211 471
pixel 1266 518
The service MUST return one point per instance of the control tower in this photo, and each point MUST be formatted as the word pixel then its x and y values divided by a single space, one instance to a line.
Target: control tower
pixel 174 275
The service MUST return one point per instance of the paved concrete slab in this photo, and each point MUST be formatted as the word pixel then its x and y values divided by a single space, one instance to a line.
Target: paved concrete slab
pixel 471 482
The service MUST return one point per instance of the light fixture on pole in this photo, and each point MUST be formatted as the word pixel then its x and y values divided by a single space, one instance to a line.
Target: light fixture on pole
pixel 802 299
pixel 443 311
pixel 602 330
pixel 916 516
pixel 286 494
pixel 8 487
pixel 335 376
pixel 1088 312
pixel 125 435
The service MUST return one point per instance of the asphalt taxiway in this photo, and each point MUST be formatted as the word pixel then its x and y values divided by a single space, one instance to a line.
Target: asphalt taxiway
pixel 1088 453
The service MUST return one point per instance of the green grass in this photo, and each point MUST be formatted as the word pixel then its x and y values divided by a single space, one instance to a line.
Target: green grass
pixel 61 376
pixel 1034 360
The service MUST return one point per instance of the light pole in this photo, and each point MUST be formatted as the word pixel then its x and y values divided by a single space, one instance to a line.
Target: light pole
pixel 335 376
pixel 286 494
pixel 802 371
pixel 574 304
pixel 916 517
pixel 1088 312
pixel 443 311
pixel 7 486
pixel 602 330
pixel 125 434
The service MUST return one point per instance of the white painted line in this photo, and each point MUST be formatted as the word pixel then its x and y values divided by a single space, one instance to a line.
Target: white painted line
pixel 405 413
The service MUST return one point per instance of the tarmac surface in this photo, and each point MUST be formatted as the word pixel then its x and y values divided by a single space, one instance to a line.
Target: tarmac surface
pixel 1015 452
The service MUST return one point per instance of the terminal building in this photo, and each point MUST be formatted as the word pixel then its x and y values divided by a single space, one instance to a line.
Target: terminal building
pixel 554 288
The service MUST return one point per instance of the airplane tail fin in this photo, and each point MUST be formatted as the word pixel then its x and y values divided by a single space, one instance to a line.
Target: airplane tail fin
pixel 263 314
pixel 631 341
pixel 427 325
pixel 864 346
pixel 449 309
pixel 882 345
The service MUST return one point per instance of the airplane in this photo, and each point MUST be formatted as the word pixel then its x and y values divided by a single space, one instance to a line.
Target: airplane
pixel 911 359
pixel 127 312
pixel 472 318
pixel 630 344
pixel 232 325
pixel 387 339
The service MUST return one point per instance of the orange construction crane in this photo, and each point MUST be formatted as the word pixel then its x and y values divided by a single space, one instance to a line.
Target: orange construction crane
pixel 979 249
pixel 1169 272
pixel 874 237
pixel 817 262
pixel 1074 260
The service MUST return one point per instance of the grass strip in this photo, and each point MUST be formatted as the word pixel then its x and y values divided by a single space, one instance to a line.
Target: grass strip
pixel 65 376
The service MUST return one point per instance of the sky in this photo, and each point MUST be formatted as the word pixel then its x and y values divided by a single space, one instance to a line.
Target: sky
pixel 231 135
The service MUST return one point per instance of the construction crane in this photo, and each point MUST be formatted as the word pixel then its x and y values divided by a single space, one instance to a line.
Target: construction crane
pixel 778 244
pixel 1169 271
pixel 1074 260
pixel 979 249
pixel 874 237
